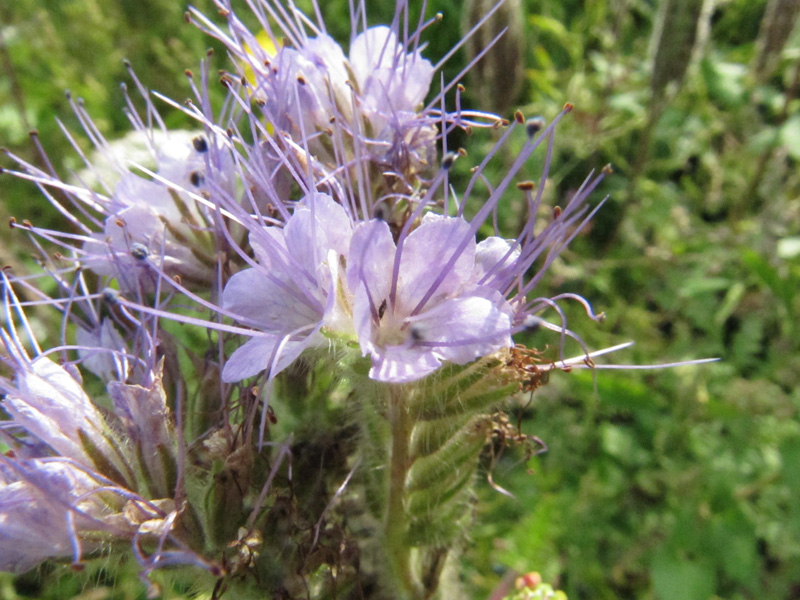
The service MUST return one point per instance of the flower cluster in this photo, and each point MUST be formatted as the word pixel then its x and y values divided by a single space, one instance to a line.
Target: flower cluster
pixel 411 294
pixel 77 477
pixel 352 112
pixel 316 229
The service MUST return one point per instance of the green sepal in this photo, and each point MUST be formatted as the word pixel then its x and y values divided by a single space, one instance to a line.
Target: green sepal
pixel 223 506
pixel 422 502
pixel 148 483
pixel 183 209
pixel 477 401
pixel 100 461
pixel 161 483
pixel 360 366
pixel 224 499
pixel 438 396
pixel 436 529
pixel 429 436
pixel 169 468
pixel 459 390
pixel 464 446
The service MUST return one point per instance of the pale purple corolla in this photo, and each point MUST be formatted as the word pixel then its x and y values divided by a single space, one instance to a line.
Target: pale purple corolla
pixel 48 510
pixel 154 224
pixel 377 82
pixel 408 308
pixel 413 309
pixel 103 350
pixel 291 292
pixel 363 106
pixel 74 477
pixel 54 508
pixel 50 405
pixel 389 79
pixel 140 209
pixel 49 413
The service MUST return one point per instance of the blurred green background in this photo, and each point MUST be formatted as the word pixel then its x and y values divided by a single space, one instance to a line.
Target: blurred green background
pixel 679 484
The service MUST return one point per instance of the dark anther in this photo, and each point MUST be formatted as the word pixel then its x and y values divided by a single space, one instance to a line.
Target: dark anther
pixel 110 296
pixel 532 323
pixel 448 160
pixel 196 178
pixel 382 309
pixel 139 251
pixel 534 125
pixel 200 143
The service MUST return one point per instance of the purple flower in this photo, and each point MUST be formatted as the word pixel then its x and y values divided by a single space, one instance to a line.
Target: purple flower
pixel 411 298
pixel 69 482
pixel 290 294
pixel 309 86
pixel 53 508
pixel 422 304
pixel 391 83
pixel 141 206
pixel 357 112
pixel 43 507
pixel 50 405
pixel 102 350
pixel 155 225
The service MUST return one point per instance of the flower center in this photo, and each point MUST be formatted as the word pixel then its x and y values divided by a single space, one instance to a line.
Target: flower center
pixel 391 330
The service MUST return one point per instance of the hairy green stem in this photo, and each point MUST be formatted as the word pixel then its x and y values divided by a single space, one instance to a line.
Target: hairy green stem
pixel 396 523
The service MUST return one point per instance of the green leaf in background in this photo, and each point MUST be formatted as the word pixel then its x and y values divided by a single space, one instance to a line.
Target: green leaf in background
pixel 790 136
pixel 725 82
pixel 790 465
pixel 676 579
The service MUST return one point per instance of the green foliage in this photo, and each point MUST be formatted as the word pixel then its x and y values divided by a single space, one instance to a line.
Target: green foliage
pixel 669 485
pixel 678 483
